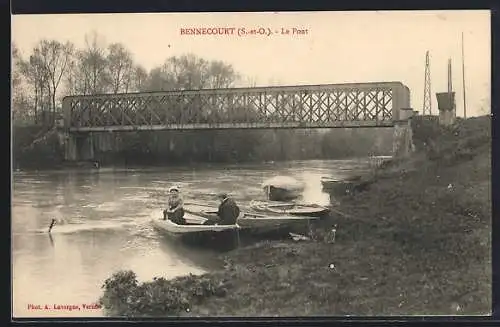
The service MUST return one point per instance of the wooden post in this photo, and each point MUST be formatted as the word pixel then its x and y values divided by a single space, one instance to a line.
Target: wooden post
pixel 238 236
pixel 52 223
pixel 463 76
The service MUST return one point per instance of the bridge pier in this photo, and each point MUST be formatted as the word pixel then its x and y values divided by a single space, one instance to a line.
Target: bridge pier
pixel 78 147
pixel 87 147
pixel 403 137
pixel 70 147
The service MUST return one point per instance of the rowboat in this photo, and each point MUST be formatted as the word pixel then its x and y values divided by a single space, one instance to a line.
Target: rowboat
pixel 249 220
pixel 282 188
pixel 287 208
pixel 221 237
pixel 174 229
pixel 329 184
pixel 260 223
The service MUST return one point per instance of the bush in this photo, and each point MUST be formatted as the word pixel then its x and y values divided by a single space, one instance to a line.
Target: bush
pixel 123 296
pixel 119 289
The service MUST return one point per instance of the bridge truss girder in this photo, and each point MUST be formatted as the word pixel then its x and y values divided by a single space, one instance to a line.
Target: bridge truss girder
pixel 332 105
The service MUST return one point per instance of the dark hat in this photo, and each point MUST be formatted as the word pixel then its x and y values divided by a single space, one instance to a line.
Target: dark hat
pixel 222 195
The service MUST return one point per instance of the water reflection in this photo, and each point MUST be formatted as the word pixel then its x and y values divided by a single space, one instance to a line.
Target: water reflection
pixel 103 224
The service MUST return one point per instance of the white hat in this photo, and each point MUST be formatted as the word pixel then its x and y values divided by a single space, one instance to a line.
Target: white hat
pixel 173 188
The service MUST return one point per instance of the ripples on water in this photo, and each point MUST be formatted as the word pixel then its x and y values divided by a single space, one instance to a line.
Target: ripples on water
pixel 103 224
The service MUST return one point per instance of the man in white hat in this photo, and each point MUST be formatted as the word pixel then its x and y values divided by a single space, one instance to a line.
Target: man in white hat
pixel 175 209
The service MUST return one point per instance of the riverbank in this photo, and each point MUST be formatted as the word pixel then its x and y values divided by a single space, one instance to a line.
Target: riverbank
pixel 38 147
pixel 414 239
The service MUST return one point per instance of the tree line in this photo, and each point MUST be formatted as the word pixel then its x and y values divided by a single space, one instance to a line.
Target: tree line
pixel 54 69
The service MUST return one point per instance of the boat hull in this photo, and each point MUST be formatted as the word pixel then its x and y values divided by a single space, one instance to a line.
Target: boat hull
pixel 281 194
pixel 190 228
pixel 282 188
pixel 217 237
pixel 257 223
pixel 266 225
pixel 284 182
pixel 286 208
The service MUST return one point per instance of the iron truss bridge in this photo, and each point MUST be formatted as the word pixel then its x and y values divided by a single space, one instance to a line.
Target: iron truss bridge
pixel 309 106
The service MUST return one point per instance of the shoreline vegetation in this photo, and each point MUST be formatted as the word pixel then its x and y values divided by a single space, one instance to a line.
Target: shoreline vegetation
pixel 413 238
pixel 32 151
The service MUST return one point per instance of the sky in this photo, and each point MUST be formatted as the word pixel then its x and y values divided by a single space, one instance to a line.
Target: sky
pixel 338 47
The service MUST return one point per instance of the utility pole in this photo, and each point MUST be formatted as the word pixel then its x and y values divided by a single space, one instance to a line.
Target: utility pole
pixel 451 94
pixel 463 76
pixel 427 107
pixel 450 81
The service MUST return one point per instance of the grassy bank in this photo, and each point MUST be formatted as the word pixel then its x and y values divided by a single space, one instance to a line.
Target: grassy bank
pixel 414 239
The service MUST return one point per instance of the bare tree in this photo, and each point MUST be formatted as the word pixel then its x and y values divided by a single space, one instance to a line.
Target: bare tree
pixel 55 57
pixel 249 82
pixel 71 79
pixel 187 72
pixel 19 106
pixel 120 67
pixel 158 80
pixel 36 76
pixel 139 78
pixel 91 66
pixel 221 75
pixel 15 72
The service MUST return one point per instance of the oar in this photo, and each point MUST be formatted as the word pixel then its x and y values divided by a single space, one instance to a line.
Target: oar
pixel 52 223
pixel 200 205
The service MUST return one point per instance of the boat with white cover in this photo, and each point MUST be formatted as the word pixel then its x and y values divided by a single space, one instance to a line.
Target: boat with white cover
pixel 282 188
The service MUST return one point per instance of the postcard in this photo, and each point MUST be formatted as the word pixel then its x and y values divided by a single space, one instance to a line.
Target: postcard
pixel 251 164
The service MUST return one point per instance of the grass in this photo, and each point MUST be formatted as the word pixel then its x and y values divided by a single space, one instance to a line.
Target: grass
pixel 414 240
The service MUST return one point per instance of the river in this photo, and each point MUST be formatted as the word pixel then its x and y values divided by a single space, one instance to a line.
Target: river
pixel 103 225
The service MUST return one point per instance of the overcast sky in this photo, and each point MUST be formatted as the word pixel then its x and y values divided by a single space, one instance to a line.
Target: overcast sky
pixel 339 47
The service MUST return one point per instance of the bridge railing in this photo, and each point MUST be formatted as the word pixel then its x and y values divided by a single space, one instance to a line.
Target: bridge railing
pixel 327 105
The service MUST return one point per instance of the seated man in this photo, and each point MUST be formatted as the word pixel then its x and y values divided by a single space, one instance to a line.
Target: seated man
pixel 175 210
pixel 228 212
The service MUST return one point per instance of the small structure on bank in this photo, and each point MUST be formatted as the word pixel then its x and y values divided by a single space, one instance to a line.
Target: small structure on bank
pixel 446 102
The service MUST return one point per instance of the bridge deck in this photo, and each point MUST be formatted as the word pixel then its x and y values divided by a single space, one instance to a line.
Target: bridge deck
pixel 335 124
